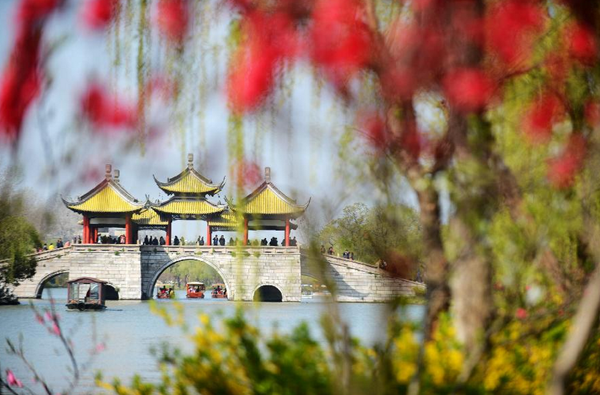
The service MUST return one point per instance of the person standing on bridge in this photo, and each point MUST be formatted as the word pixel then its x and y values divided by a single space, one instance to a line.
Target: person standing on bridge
pixel 176 241
pixel 162 241
pixel 222 240
pixel 215 240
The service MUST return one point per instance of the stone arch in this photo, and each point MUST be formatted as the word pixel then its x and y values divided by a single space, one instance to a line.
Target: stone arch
pixel 270 293
pixel 40 286
pixel 150 290
pixel 111 292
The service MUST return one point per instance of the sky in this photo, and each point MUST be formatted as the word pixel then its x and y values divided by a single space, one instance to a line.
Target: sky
pixel 58 155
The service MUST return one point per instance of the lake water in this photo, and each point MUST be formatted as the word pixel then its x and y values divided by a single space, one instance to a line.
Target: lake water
pixel 130 330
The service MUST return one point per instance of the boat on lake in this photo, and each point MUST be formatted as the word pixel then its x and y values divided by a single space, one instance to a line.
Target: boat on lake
pixel 86 293
pixel 195 290
pixel 219 291
pixel 166 292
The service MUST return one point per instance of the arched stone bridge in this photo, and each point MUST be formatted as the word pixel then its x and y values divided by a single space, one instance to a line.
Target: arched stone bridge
pixel 133 271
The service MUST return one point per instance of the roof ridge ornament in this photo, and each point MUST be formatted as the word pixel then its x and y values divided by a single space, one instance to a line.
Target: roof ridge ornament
pixel 116 175
pixel 268 174
pixel 190 164
pixel 108 171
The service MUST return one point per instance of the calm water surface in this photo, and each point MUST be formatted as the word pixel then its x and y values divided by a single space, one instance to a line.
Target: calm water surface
pixel 130 330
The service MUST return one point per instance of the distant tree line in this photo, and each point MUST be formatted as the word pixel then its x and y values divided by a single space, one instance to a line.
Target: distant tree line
pixel 390 234
pixel 186 271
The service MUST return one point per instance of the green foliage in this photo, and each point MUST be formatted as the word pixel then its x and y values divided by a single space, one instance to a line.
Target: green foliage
pixel 190 270
pixel 375 233
pixel 18 239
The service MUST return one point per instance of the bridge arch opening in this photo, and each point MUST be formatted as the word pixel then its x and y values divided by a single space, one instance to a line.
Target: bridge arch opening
pixel 56 279
pixel 180 271
pixel 110 292
pixel 267 293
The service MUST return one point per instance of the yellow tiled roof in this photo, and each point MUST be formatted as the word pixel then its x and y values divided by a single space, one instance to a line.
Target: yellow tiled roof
pixel 268 202
pixel 187 207
pixel 189 181
pixel 148 217
pixel 225 220
pixel 106 200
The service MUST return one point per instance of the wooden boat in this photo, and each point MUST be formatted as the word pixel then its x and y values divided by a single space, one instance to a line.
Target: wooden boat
pixel 86 293
pixel 166 292
pixel 195 290
pixel 219 291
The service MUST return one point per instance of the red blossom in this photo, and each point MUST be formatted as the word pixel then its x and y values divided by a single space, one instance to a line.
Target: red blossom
pixel 521 313
pixel 538 121
pixel 270 39
pixel 340 39
pixel 102 111
pixel 375 131
pixel 172 19
pixel 248 173
pixel 12 380
pixel 582 45
pixel 468 90
pixel 32 11
pixel 563 169
pixel 97 14
pixel 511 27
pixel 592 113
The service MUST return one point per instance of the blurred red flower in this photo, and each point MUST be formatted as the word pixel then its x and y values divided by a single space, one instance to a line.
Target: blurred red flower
pixel 521 313
pixel 31 11
pixel 468 89
pixel 582 45
pixel 538 121
pixel 102 111
pixel 270 38
pixel 172 19
pixel 97 14
pixel 592 113
pixel 375 131
pixel 563 169
pixel 511 27
pixel 340 39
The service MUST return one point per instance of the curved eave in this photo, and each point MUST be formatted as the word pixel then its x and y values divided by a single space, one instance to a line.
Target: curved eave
pixel 292 210
pixel 207 187
pixel 149 219
pixel 187 208
pixel 80 208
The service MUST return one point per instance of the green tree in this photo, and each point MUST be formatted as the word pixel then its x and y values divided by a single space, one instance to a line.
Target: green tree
pixel 18 239
pixel 380 233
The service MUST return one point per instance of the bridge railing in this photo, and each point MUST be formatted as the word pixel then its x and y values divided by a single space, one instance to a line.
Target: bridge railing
pixel 223 249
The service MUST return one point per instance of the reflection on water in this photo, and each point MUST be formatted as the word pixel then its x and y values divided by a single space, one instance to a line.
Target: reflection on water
pixel 131 330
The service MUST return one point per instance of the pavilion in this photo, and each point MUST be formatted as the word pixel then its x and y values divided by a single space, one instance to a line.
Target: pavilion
pixel 266 208
pixel 189 190
pixel 110 205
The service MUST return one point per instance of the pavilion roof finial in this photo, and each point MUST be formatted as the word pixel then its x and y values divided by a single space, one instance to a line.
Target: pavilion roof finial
pixel 108 171
pixel 190 161
pixel 116 175
pixel 267 174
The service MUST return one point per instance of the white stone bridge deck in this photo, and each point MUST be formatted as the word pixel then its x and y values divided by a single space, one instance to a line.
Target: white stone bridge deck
pixel 133 270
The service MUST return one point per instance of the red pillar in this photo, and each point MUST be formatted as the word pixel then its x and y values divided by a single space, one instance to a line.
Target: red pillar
pixel 287 232
pixel 95 233
pixel 86 230
pixel 208 235
pixel 128 229
pixel 245 231
pixel 168 238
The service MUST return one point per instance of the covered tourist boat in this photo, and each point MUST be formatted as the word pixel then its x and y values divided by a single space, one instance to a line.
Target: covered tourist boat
pixel 219 291
pixel 86 293
pixel 166 292
pixel 195 290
